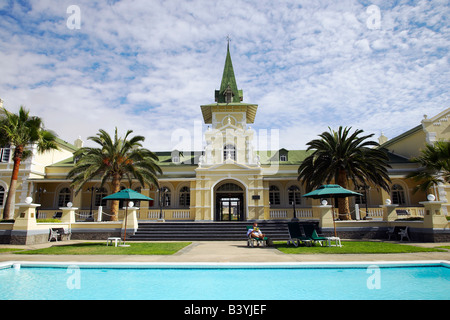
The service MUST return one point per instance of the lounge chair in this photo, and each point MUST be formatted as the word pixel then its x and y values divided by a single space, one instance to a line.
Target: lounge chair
pixel 296 235
pixel 251 241
pixel 57 215
pixel 311 233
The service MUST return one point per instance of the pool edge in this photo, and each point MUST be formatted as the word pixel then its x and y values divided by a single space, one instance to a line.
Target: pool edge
pixel 224 265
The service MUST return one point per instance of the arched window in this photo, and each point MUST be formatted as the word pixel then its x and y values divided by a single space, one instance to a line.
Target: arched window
pixel 274 195
pixel 2 196
pixel 229 152
pixel 64 197
pixel 227 187
pixel 185 197
pixel 99 195
pixel 294 193
pixel 398 195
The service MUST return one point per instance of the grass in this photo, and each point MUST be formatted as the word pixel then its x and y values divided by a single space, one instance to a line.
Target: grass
pixel 3 250
pixel 89 248
pixel 355 247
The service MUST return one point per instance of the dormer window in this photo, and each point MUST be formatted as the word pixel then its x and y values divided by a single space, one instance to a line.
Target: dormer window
pixel 228 95
pixel 175 156
pixel 283 157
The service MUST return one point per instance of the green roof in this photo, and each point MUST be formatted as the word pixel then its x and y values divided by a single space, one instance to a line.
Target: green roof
pixel 66 144
pixel 165 158
pixel 401 136
pixel 294 157
pixel 228 81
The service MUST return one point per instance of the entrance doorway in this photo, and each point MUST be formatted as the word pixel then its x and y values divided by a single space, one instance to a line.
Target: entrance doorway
pixel 229 203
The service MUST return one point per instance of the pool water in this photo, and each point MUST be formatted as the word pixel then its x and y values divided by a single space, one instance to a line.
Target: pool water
pixel 222 283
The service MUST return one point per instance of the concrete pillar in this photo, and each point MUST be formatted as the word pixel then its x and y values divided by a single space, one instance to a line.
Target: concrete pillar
pixel 325 214
pixel 26 216
pixel 434 216
pixel 25 230
pixel 389 212
pixel 68 214
pixel 130 223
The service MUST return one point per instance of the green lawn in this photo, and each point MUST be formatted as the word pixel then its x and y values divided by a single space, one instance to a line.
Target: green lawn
pixel 89 248
pixel 354 247
pixel 2 250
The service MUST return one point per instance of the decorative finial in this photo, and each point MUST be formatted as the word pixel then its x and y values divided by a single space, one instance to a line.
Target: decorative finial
pixel 228 40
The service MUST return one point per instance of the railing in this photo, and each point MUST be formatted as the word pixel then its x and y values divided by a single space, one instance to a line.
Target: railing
pixel 402 212
pixel 185 214
pixel 80 215
pixel 167 214
pixel 305 213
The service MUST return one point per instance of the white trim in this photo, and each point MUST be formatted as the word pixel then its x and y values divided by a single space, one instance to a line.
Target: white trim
pixel 213 204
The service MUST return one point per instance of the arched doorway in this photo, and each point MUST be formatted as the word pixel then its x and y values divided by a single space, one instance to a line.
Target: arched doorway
pixel 229 202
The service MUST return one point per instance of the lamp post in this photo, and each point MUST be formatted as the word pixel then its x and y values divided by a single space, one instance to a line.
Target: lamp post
pixel 91 189
pixel 365 188
pixel 293 189
pixel 40 191
pixel 162 196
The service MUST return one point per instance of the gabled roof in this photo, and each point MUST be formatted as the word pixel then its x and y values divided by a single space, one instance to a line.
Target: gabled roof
pixel 404 135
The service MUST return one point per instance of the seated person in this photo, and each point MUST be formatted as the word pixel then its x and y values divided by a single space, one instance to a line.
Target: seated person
pixel 255 232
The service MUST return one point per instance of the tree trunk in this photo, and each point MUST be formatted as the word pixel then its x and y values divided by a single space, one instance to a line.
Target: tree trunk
pixel 343 203
pixel 115 203
pixel 8 211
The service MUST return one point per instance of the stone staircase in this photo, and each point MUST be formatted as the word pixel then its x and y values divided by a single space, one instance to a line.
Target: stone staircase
pixel 212 231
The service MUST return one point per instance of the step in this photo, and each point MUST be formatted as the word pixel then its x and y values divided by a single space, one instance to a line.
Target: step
pixel 154 231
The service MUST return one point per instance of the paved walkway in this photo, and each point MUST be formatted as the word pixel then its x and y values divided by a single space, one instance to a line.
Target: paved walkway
pixel 226 251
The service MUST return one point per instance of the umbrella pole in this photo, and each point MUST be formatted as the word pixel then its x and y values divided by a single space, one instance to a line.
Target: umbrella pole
pixel 126 215
pixel 334 221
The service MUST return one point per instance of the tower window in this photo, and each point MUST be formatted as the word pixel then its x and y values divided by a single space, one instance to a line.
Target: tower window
pixel 229 152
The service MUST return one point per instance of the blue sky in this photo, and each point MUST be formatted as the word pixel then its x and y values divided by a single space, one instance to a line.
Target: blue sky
pixel 149 65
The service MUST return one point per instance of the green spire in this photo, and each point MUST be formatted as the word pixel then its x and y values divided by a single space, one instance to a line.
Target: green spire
pixel 228 86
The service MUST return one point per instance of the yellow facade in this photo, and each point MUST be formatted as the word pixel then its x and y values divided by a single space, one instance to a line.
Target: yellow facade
pixel 229 180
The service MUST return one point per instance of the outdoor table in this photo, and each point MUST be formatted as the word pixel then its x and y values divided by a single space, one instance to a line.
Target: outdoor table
pixel 336 240
pixel 111 239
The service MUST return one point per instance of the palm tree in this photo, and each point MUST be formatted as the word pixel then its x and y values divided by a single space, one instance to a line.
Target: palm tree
pixel 434 164
pixel 22 130
pixel 115 159
pixel 340 156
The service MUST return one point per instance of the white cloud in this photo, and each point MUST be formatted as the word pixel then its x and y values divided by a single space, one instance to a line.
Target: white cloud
pixel 149 65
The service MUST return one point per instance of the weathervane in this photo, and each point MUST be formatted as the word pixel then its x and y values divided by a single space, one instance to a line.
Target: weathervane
pixel 228 39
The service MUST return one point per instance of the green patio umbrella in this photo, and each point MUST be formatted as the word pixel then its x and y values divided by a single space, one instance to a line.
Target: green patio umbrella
pixel 331 191
pixel 128 195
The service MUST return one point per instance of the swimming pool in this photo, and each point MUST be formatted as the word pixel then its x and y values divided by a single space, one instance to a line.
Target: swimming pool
pixel 226 281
